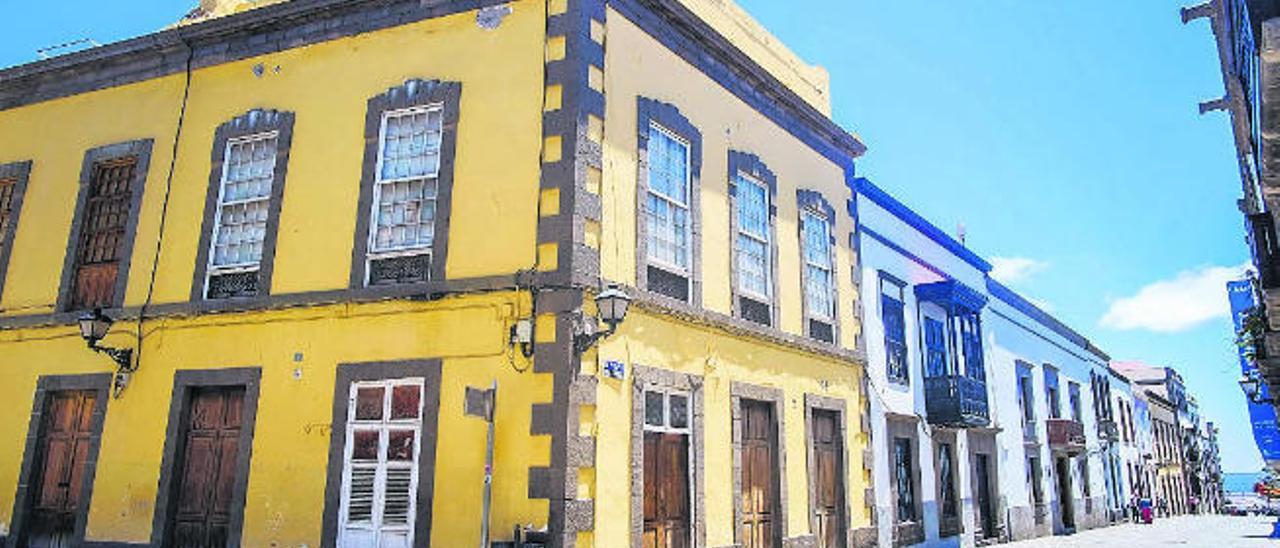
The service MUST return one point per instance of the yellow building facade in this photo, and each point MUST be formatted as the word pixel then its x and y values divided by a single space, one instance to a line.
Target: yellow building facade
pixel 333 234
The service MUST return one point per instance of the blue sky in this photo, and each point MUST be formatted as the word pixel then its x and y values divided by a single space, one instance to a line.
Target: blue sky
pixel 1063 135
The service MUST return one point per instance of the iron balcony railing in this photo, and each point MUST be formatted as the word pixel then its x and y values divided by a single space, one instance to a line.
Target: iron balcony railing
pixel 956 401
pixel 1265 248
pixel 1066 435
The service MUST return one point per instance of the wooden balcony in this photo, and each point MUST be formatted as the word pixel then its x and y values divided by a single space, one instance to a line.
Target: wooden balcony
pixel 1066 435
pixel 956 401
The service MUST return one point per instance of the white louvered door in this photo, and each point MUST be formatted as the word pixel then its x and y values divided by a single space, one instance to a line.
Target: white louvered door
pixel 380 473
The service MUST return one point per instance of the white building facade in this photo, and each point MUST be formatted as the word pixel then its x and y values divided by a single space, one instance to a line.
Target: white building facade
pixel 983 407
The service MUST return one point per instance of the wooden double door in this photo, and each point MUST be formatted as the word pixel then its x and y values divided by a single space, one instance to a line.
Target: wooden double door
pixel 64 447
pixel 201 507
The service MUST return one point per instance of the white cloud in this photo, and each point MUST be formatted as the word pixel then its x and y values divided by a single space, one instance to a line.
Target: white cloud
pixel 1168 306
pixel 1012 270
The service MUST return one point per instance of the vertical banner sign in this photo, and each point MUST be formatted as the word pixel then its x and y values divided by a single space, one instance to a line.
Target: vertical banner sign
pixel 1263 416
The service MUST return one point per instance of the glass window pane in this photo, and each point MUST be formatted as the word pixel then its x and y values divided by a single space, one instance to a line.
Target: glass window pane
pixel 400 445
pixel 369 403
pixel 679 411
pixel 364 445
pixel 753 208
pixel 653 409
pixel 411 144
pixel 406 401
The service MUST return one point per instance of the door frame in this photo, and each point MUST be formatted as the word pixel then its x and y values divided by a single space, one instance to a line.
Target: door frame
pixel 430 370
pixel 100 384
pixel 739 391
pixel 645 378
pixel 184 383
pixel 815 402
pixel 1065 489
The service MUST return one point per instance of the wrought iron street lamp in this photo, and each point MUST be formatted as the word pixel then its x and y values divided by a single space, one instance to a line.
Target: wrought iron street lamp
pixel 611 307
pixel 1252 385
pixel 93 328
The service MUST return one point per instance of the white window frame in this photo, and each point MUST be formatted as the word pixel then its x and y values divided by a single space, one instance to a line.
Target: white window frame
pixel 766 239
pixel 686 431
pixel 686 205
pixel 373 253
pixel 829 268
pixel 384 426
pixel 212 270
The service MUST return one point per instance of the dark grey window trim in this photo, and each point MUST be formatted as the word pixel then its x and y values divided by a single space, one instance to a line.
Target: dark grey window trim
pixel 21 173
pixel 184 381
pixel 253 122
pixel 750 164
pixel 814 201
pixel 100 383
pixel 739 391
pixel 413 93
pixel 650 112
pixel 141 149
pixel 645 378
pixel 816 402
pixel 349 373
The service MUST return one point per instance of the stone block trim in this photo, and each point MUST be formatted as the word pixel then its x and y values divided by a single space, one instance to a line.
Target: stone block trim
pixel 413 93
pixel 739 391
pixel 650 112
pixel 251 123
pixel 646 377
pixel 20 174
pixel 750 165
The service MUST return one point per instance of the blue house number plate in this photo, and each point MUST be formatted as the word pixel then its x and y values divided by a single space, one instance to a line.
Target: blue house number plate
pixel 615 369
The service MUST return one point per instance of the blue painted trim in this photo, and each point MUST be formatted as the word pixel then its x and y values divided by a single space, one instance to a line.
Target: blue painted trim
pixel 952 295
pixel 902 251
pixel 881 198
pixel 1017 302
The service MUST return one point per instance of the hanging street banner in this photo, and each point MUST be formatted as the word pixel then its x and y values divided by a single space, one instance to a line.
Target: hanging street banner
pixel 1263 416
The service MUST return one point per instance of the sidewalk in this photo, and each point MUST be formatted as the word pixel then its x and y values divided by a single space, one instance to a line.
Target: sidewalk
pixel 1212 530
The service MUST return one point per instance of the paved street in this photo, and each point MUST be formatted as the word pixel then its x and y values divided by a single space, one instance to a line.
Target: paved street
pixel 1213 531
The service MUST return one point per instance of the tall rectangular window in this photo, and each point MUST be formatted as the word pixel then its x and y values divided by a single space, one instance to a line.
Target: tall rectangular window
pixel 1026 401
pixel 668 222
pixel 820 280
pixel 404 195
pixel 754 257
pixel 935 345
pixel 892 317
pixel 1051 392
pixel 904 483
pixel 1073 394
pixel 240 222
pixel 102 233
pixel 380 472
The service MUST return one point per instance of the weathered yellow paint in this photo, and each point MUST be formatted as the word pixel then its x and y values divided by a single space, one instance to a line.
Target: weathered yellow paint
pixel 726 123
pixel 812 83
pixel 327 86
pixel 656 340
pixel 290 449
pixel 319 209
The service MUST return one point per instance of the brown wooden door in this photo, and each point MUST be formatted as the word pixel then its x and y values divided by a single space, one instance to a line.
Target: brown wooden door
pixel 759 476
pixel 210 450
pixel 828 464
pixel 64 450
pixel 666 490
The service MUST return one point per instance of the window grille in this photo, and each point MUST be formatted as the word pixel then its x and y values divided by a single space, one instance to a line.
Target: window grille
pixel 106 215
pixel 404 195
